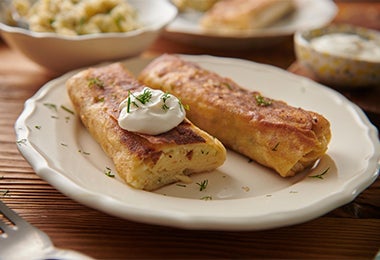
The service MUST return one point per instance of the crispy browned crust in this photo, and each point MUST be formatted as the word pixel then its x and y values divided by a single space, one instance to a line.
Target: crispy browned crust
pixel 96 94
pixel 279 136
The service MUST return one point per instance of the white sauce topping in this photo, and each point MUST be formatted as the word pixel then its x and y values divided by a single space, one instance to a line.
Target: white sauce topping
pixel 348 45
pixel 150 112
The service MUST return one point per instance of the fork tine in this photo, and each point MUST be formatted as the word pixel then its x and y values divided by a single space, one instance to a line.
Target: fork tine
pixel 5 227
pixel 37 243
pixel 10 214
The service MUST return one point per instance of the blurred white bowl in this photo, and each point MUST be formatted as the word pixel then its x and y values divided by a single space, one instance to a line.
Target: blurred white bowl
pixel 348 71
pixel 63 53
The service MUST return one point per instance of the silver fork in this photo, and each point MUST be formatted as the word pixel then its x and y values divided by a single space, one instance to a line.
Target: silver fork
pixel 20 240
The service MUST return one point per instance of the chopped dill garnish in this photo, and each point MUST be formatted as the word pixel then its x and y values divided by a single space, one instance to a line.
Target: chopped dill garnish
pixel 320 176
pixel 275 147
pixel 227 85
pixel 202 185
pixel 108 172
pixel 99 99
pixel 129 101
pixel 165 107
pixel 5 192
pixel 67 109
pixel 95 82
pixel 181 105
pixel 37 127
pixel 83 152
pixel 245 188
pixel 165 97
pixel 261 101
pixel 51 106
pixel 145 96
pixel 21 141
pixel 206 198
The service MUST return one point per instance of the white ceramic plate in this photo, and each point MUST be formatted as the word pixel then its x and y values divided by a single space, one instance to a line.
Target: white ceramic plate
pixel 309 14
pixel 241 195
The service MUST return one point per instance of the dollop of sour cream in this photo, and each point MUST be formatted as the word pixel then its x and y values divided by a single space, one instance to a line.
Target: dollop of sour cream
pixel 150 112
pixel 348 45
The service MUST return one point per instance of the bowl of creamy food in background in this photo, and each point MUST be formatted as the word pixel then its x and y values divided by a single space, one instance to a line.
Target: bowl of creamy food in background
pixel 84 32
pixel 341 55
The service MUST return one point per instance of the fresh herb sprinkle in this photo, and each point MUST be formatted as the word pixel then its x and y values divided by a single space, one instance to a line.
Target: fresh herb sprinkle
pixel 202 185
pixel 108 172
pixel 5 192
pixel 275 147
pixel 95 82
pixel 51 106
pixel 145 96
pixel 320 176
pixel 261 101
pixel 206 198
pixel 165 97
pixel 21 141
pixel 67 109
pixel 181 105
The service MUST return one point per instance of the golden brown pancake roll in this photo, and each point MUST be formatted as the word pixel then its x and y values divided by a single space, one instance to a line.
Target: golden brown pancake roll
pixel 232 16
pixel 143 161
pixel 268 131
pixel 199 5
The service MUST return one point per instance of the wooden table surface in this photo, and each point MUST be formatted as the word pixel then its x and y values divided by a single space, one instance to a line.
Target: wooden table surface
pixel 348 232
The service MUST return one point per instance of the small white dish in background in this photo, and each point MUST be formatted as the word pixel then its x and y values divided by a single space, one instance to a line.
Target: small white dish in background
pixel 340 64
pixel 308 14
pixel 61 53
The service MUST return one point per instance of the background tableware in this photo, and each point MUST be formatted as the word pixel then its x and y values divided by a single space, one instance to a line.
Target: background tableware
pixel 333 69
pixel 62 53
pixel 309 14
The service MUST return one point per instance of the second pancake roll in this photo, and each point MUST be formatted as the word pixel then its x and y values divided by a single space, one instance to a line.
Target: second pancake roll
pixel 270 132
